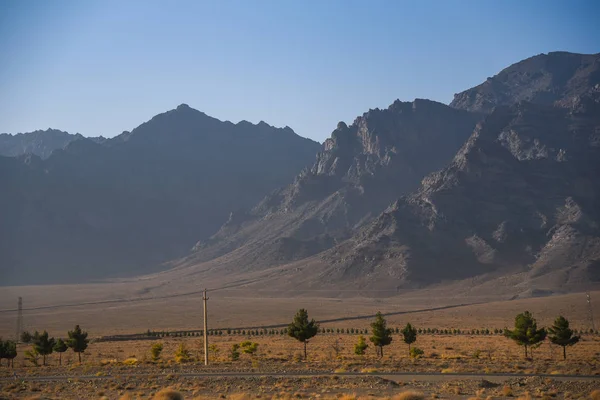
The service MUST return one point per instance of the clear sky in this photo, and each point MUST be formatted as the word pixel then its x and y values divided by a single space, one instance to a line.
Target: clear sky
pixel 101 67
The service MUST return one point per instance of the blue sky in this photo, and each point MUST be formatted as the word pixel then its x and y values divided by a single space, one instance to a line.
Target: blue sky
pixel 101 67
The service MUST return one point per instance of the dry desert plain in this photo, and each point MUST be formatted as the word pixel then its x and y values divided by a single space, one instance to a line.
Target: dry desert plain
pixel 124 369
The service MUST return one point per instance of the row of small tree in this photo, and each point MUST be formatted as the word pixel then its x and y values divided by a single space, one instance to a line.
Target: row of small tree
pixel 44 345
pixel 527 334
pixel 8 350
pixel 302 330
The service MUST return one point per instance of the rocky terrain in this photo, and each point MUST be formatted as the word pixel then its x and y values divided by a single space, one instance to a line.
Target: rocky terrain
pixel 121 206
pixel 519 197
pixel 362 168
pixel 554 78
pixel 522 194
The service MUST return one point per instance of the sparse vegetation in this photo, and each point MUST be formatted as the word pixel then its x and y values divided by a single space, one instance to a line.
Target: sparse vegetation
pixel 43 345
pixel 155 351
pixel 302 329
pixel 60 347
pixel 381 334
pixel 78 341
pixel 561 335
pixel 360 346
pixel 182 354
pixel 409 335
pixel 526 333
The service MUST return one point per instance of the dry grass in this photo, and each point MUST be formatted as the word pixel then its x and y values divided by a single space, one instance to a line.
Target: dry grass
pixel 409 395
pixel 168 394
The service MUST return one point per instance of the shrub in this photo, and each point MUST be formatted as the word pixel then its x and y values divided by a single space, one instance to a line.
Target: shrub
pixel 416 352
pixel 155 351
pixel 182 354
pixel 234 354
pixel 168 394
pixel 249 347
pixel 360 346
pixel 409 395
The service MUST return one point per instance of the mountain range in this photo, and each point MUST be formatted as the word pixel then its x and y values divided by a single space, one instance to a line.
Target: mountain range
pixel 500 183
pixel 127 204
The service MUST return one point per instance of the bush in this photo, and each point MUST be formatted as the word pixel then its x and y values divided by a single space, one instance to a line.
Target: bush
pixel 416 352
pixel 182 354
pixel 168 394
pixel 155 351
pixel 249 347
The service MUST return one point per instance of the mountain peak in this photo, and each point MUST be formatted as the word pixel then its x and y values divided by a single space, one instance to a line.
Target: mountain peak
pixel 556 78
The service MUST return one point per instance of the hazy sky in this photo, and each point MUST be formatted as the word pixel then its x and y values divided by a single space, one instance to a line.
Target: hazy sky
pixel 101 67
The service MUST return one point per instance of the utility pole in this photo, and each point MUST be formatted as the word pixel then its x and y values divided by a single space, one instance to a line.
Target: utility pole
pixel 19 320
pixel 205 299
pixel 590 312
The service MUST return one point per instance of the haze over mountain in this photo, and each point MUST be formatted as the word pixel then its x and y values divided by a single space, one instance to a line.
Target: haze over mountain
pixel 142 198
pixel 521 196
pixel 501 186
pixel 40 143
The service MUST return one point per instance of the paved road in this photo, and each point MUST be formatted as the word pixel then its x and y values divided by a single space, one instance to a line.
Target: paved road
pixel 395 376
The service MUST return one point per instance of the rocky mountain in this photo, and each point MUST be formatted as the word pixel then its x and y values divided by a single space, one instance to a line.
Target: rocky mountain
pixel 514 201
pixel 522 195
pixel 40 143
pixel 553 78
pixel 124 205
pixel 361 169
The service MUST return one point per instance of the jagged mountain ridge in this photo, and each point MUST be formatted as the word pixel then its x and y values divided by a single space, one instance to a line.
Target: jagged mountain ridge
pixel 126 204
pixel 522 193
pixel 554 78
pixel 360 170
pixel 40 143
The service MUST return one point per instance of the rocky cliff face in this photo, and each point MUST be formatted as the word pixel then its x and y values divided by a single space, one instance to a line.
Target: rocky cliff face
pixel 360 170
pixel 40 143
pixel 523 192
pixel 554 78
pixel 125 205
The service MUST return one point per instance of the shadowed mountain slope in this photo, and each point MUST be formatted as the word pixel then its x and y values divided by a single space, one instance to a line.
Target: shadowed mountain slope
pixel 124 205
pixel 361 169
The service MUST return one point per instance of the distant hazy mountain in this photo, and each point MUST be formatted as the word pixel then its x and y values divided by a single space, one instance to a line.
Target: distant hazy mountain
pixel 104 207
pixel 40 143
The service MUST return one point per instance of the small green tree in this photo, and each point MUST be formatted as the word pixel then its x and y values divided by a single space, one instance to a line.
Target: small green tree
pixel 302 329
pixel 526 333
pixel 10 351
pixel 409 334
pixel 43 344
pixel 26 337
pixel 78 341
pixel 60 347
pixel 155 351
pixel 381 334
pixel 561 335
pixel 360 346
pixel 2 350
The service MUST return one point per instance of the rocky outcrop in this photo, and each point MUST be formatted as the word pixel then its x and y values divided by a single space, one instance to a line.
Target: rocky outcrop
pixel 557 78
pixel 521 193
pixel 125 205
pixel 360 170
